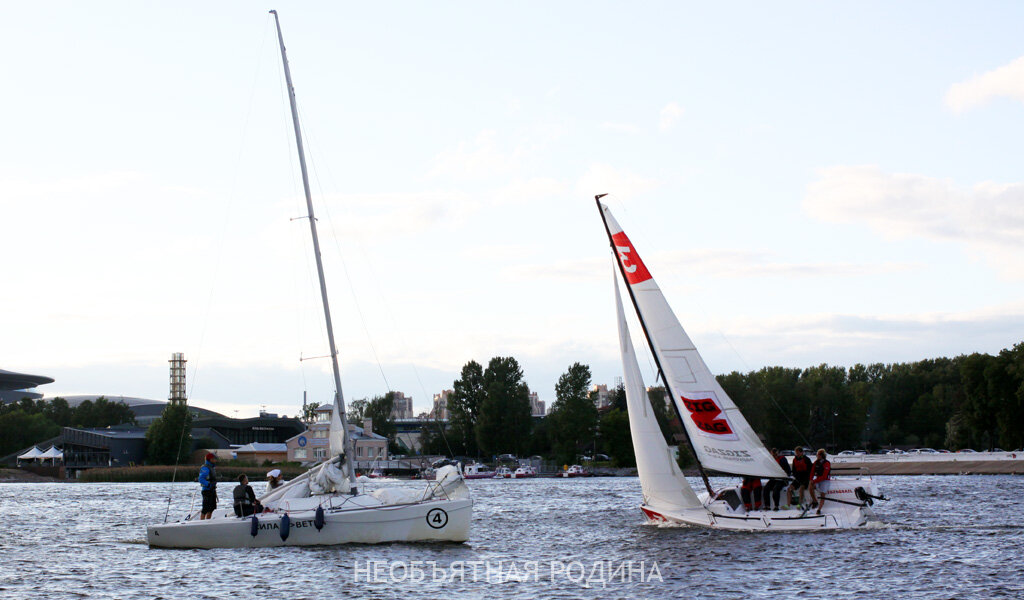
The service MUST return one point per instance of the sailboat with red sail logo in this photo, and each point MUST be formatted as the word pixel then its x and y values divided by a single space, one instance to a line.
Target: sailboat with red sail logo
pixel 719 436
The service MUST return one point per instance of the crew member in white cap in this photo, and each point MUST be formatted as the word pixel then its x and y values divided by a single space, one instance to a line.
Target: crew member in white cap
pixel 274 478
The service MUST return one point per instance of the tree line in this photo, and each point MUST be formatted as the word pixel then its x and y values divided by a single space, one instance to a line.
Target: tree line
pixel 29 421
pixel 970 401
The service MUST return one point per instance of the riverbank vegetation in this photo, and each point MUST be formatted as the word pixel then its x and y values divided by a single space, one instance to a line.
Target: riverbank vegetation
pixel 29 421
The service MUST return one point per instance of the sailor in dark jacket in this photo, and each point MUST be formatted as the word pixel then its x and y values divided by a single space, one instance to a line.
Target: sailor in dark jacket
pixel 774 488
pixel 801 474
pixel 245 499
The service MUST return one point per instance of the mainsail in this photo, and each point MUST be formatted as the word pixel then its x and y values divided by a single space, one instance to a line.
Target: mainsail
pixel 721 438
pixel 663 483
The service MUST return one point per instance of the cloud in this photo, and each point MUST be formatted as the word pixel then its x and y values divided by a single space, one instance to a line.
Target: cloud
pixel 844 339
pixel 988 217
pixel 670 115
pixel 1007 80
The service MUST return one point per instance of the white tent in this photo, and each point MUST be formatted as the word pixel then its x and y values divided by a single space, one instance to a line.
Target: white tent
pixel 53 453
pixel 32 454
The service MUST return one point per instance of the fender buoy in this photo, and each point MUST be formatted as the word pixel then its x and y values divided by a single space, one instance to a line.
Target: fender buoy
pixel 318 519
pixel 286 524
pixel 255 527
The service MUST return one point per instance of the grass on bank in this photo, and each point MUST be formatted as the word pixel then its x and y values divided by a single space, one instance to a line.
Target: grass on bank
pixel 184 473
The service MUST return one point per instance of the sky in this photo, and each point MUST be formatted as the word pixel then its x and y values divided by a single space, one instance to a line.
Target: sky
pixel 809 183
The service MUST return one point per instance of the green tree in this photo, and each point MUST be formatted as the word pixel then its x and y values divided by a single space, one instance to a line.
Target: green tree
pixel 504 422
pixel 169 437
pixel 573 417
pixel 379 409
pixel 464 404
pixel 20 429
pixel 616 438
pixel 309 412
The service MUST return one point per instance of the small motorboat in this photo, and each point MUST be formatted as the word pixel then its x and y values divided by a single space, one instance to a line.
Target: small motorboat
pixel 477 471
pixel 523 472
pixel 575 471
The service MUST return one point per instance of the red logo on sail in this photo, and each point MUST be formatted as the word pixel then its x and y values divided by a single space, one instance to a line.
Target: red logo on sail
pixel 635 270
pixel 704 413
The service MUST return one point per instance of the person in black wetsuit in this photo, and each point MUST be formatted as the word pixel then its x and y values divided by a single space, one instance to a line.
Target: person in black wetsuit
pixel 774 488
pixel 801 475
pixel 245 499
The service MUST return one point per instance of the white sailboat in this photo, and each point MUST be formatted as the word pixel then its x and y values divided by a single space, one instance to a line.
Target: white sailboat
pixel 719 436
pixel 325 505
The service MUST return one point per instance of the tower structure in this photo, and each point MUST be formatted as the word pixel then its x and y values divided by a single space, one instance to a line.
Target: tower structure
pixel 177 395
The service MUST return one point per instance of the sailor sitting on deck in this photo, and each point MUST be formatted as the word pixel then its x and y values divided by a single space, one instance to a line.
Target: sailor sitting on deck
pixel 751 487
pixel 274 479
pixel 819 472
pixel 245 499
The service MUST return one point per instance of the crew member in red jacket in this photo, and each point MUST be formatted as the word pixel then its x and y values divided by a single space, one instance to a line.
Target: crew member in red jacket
pixel 819 472
pixel 801 475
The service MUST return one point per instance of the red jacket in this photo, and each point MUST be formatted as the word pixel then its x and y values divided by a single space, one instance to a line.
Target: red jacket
pixel 821 469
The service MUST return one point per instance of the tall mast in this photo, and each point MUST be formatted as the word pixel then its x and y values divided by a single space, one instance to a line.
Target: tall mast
pixel 654 351
pixel 339 401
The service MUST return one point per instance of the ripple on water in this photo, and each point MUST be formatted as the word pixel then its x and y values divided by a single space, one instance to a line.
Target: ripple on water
pixel 940 537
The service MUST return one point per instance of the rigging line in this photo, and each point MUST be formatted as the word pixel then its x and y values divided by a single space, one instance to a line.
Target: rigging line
pixel 344 264
pixel 217 263
pixel 232 196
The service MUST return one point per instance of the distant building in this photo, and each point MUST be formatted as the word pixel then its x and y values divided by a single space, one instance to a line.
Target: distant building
pixel 261 452
pixel 402 408
pixel 599 394
pixel 312 445
pixel 536 406
pixel 88 448
pixel 15 386
pixel 440 409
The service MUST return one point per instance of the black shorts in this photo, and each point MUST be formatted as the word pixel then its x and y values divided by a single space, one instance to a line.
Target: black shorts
pixel 209 501
pixel 801 483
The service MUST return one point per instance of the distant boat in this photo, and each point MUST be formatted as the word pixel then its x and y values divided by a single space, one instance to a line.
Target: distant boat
pixel 503 473
pixel 325 506
pixel 524 472
pixel 575 471
pixel 477 471
pixel 719 436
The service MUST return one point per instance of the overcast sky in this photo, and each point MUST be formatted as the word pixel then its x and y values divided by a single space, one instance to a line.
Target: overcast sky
pixel 817 183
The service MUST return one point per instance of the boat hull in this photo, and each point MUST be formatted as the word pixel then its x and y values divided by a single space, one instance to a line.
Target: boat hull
pixel 442 520
pixel 842 510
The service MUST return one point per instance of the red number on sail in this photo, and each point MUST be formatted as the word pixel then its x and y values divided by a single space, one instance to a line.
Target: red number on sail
pixel 635 270
pixel 703 413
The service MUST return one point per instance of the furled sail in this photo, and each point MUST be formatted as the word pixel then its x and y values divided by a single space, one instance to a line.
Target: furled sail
pixel 663 483
pixel 721 437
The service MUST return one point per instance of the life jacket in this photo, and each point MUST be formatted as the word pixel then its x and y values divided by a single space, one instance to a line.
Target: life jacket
pixel 208 477
pixel 821 469
pixel 801 467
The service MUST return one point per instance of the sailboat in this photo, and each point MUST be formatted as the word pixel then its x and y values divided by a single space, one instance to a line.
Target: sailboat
pixel 717 433
pixel 325 505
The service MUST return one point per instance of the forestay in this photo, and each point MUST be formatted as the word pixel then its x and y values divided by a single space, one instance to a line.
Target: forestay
pixel 721 437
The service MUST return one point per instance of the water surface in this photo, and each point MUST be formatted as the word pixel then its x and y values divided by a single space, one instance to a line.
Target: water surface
pixel 941 537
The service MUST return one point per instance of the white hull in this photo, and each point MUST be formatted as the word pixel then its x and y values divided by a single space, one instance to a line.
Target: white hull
pixel 847 512
pixel 435 520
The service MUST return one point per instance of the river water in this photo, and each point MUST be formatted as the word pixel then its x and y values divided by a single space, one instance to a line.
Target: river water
pixel 941 537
